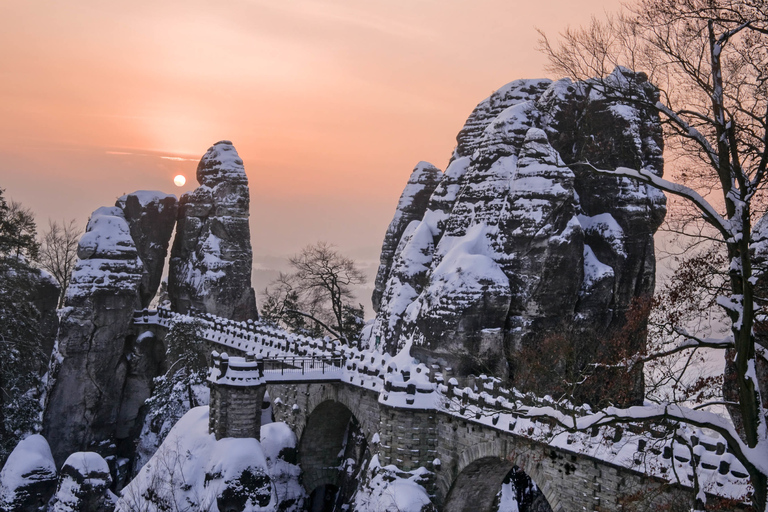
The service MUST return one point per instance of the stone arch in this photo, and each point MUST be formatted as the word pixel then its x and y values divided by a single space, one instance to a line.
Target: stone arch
pixel 318 394
pixel 321 442
pixel 480 471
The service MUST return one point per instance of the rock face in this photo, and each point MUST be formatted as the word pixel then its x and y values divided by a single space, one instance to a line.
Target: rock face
pixel 514 245
pixel 211 257
pixel 102 372
pixel 151 217
pixel 413 201
pixel 85 399
pixel 28 479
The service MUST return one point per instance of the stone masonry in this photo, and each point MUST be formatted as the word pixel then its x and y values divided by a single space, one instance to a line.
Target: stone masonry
pixel 468 460
pixel 415 417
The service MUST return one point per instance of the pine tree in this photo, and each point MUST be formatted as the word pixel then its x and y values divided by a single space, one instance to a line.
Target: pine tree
pixel 21 358
pixel 179 388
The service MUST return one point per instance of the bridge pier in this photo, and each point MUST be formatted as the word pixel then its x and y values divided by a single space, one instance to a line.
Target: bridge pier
pixel 237 392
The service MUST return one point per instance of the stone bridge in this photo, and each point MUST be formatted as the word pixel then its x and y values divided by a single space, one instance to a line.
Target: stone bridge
pixel 467 436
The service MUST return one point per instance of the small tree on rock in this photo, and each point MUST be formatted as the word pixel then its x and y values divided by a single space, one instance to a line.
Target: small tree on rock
pixel 178 389
pixel 58 253
pixel 317 295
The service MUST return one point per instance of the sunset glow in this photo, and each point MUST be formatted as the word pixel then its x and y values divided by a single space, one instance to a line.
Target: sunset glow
pixel 330 104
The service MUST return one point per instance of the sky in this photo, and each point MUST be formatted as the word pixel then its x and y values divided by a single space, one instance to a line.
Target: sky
pixel 329 103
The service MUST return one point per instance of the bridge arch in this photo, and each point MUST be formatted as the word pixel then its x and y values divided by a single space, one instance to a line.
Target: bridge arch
pixel 323 416
pixel 480 471
pixel 363 406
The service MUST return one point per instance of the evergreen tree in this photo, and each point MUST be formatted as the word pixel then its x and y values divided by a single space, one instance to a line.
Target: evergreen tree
pixel 180 388
pixel 21 358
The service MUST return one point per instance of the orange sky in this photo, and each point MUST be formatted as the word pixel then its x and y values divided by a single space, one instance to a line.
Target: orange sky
pixel 330 103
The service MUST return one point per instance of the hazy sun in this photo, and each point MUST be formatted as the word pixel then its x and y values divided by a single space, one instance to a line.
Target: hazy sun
pixel 180 180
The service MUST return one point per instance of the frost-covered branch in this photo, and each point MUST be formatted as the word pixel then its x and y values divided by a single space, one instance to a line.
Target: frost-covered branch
pixel 707 210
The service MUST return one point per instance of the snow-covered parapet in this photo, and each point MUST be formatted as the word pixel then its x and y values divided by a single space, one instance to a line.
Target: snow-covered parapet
pixel 235 371
pixel 211 257
pixel 517 242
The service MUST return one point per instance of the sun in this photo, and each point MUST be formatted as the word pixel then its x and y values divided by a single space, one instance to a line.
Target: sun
pixel 180 180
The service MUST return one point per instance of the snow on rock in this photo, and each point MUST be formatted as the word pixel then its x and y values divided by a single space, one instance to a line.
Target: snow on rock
pixel 279 444
pixel 424 178
pixel 84 403
pixel 84 485
pixel 211 257
pixel 28 479
pixel 487 110
pixel 389 489
pixel 515 241
pixel 193 471
pixel 151 216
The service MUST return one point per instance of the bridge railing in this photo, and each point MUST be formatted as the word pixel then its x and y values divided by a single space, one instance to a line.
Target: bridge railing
pixel 292 366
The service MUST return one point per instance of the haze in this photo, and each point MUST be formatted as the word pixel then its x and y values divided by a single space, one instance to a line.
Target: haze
pixel 329 103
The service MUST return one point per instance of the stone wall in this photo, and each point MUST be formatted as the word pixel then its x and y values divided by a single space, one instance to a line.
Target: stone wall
pixel 468 460
pixel 236 411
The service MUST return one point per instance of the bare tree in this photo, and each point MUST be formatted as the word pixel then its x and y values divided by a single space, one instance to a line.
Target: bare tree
pixel 320 290
pixel 58 252
pixel 710 61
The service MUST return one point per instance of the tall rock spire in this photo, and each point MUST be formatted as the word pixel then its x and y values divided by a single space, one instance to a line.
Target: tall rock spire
pixel 211 257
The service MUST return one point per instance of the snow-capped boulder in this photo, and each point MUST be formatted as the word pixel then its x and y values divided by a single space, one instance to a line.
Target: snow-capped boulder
pixel 279 444
pixel 84 483
pixel 151 216
pixel 28 479
pixel 193 471
pixel 517 241
pixel 90 361
pixel 211 257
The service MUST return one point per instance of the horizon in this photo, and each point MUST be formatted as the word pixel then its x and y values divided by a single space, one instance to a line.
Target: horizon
pixel 330 104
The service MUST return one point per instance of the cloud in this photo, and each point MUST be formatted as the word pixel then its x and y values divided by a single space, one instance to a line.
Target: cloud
pixel 179 159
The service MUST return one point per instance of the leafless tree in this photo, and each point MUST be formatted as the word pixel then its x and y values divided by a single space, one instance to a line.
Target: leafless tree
pixel 320 289
pixel 709 59
pixel 58 252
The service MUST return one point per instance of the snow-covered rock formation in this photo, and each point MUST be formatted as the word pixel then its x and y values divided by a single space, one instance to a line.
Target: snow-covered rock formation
pixel 28 479
pixel 96 355
pixel 103 370
pixel 151 217
pixel 516 241
pixel 413 202
pixel 211 257
pixel 85 399
pixel 193 471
